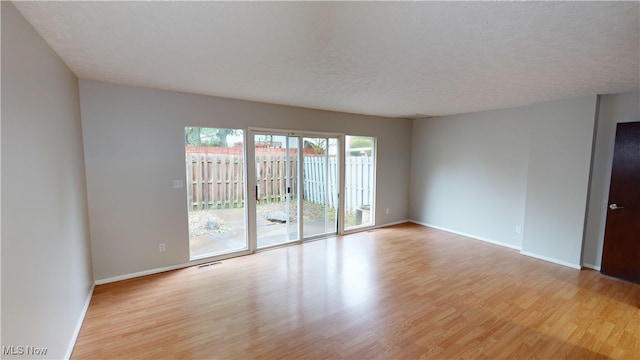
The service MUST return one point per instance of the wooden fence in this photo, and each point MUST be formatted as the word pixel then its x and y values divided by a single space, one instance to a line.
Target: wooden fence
pixel 216 180
pixel 272 178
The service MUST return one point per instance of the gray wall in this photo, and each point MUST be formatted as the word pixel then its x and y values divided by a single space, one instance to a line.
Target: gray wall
pixel 46 260
pixel 483 174
pixel 134 149
pixel 617 108
pixel 468 174
pixel 558 179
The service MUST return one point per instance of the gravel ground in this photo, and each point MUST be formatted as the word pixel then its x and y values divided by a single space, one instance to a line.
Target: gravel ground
pixel 221 221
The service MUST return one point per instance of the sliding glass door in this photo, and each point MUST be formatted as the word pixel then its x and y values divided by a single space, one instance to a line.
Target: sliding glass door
pixel 277 186
pixel 289 193
pixel 296 186
pixel 320 186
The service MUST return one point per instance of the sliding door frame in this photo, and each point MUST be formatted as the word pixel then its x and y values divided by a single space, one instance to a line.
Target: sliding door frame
pixel 250 190
pixel 250 183
pixel 254 187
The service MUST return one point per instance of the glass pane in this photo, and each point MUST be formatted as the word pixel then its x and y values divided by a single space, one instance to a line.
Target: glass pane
pixel 276 158
pixel 359 176
pixel 320 182
pixel 215 191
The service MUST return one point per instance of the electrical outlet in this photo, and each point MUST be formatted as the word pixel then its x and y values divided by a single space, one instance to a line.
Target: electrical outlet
pixel 387 211
pixel 518 229
pixel 162 247
pixel 178 184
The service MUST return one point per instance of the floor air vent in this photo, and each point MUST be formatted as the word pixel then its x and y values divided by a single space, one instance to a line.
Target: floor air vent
pixel 209 264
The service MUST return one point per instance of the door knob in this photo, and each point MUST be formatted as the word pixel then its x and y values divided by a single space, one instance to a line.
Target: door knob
pixel 615 207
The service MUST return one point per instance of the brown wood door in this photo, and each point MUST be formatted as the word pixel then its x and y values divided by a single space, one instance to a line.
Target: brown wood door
pixel 621 252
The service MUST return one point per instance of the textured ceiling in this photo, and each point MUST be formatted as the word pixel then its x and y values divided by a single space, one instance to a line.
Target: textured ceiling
pixel 381 58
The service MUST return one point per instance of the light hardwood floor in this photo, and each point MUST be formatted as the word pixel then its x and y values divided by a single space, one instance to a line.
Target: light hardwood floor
pixel 403 292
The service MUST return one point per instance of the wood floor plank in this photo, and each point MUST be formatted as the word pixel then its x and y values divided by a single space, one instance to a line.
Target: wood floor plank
pixel 403 292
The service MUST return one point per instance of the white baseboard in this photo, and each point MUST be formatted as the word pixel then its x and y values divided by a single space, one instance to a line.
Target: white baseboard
pixel 158 270
pixel 372 227
pixel 511 246
pixel 541 257
pixel 392 223
pixel 150 272
pixel 552 260
pixel 76 332
pixel 591 266
pixel 200 261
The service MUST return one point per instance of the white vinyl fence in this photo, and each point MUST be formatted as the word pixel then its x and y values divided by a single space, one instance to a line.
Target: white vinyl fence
pixel 358 181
